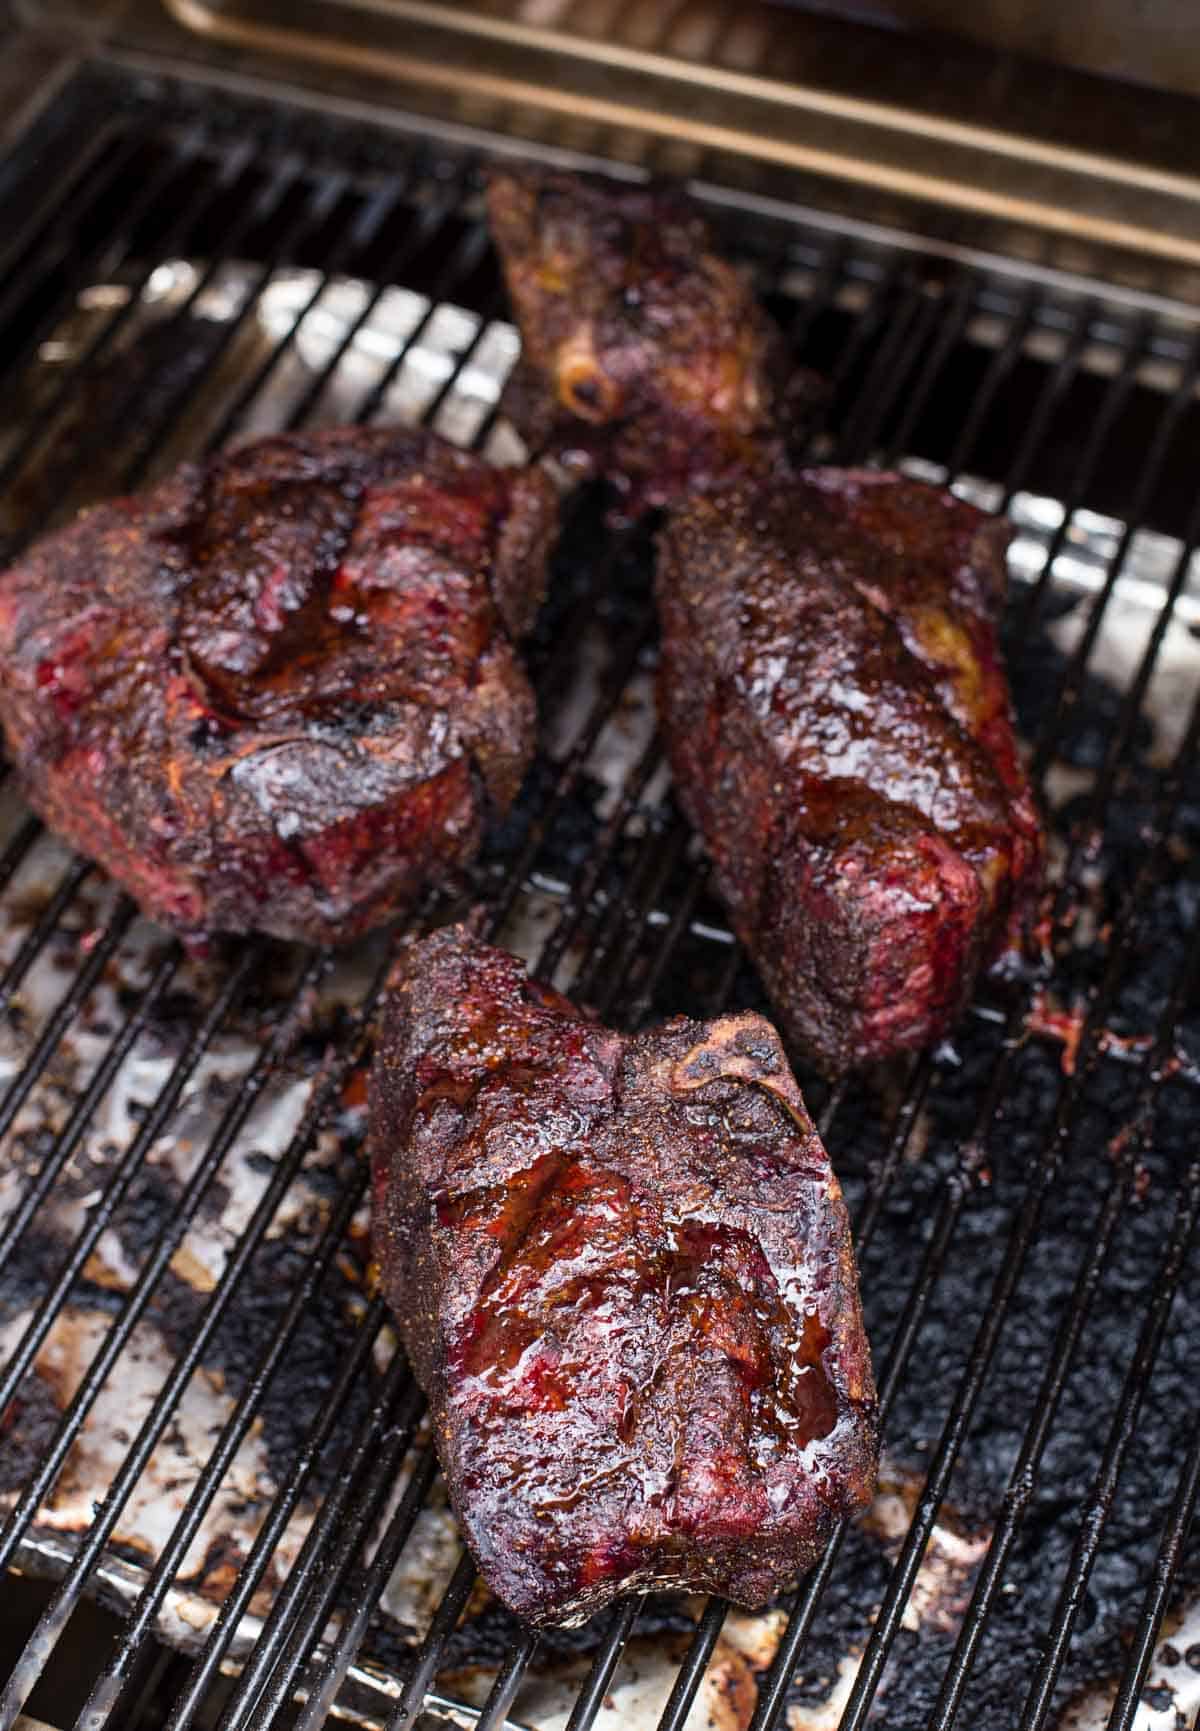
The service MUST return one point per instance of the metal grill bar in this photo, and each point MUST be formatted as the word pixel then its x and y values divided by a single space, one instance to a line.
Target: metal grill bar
pixel 1092 1517
pixel 1116 399
pixel 22 1357
pixel 919 1082
pixel 631 910
pixel 105 1694
pixel 77 189
pixel 772 1695
pixel 193 1696
pixel 85 1107
pixel 595 1684
pixel 1131 706
pixel 31 1071
pixel 15 853
pixel 931 314
pixel 967 1395
pixel 597 862
pixel 416 233
pixel 1166 431
pixel 951 325
pixel 680 921
pixel 862 334
pixel 102 255
pixel 330 1573
pixel 573 766
pixel 55 1618
pixel 442 1627
pixel 311 216
pixel 43 930
pixel 465 259
pixel 392 1407
pixel 1023 1478
pixel 691 1672
pixel 377 212
pixel 1166 1565
pixel 999 370
pixel 508 1679
pixel 270 198
pixel 886 374
pixel 324 1094
pixel 365 1591
pixel 821 295
pixel 1057 384
pixel 229 171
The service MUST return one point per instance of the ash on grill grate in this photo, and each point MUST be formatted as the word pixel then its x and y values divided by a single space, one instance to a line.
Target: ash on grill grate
pixel 204 1420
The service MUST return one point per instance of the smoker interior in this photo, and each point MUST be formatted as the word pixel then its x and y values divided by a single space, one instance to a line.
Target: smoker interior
pixel 218 1499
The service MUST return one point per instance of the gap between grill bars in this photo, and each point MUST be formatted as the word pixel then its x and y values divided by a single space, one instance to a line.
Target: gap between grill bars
pixel 1024 1198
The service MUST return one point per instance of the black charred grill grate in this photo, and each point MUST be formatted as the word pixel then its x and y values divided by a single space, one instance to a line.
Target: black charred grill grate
pixel 181 271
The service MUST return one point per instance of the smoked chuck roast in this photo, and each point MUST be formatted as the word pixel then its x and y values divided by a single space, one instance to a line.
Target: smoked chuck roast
pixel 839 727
pixel 644 354
pixel 832 691
pixel 279 692
pixel 622 1269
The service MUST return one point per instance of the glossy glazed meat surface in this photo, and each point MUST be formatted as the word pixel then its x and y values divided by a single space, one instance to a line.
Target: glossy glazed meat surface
pixel 840 733
pixel 644 354
pixel 623 1272
pixel 279 692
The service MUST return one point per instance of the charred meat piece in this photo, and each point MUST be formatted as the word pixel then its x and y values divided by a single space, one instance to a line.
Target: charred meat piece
pixel 841 736
pixel 644 354
pixel 623 1272
pixel 278 693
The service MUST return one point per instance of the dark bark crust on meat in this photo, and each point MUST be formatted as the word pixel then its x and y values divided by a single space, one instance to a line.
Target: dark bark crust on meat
pixel 840 733
pixel 623 1272
pixel 644 355
pixel 832 689
pixel 278 692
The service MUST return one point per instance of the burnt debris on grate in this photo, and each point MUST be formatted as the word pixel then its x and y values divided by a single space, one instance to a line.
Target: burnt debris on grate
pixel 205 1423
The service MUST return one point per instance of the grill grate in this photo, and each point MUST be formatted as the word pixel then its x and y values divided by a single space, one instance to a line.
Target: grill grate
pixel 1024 1198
